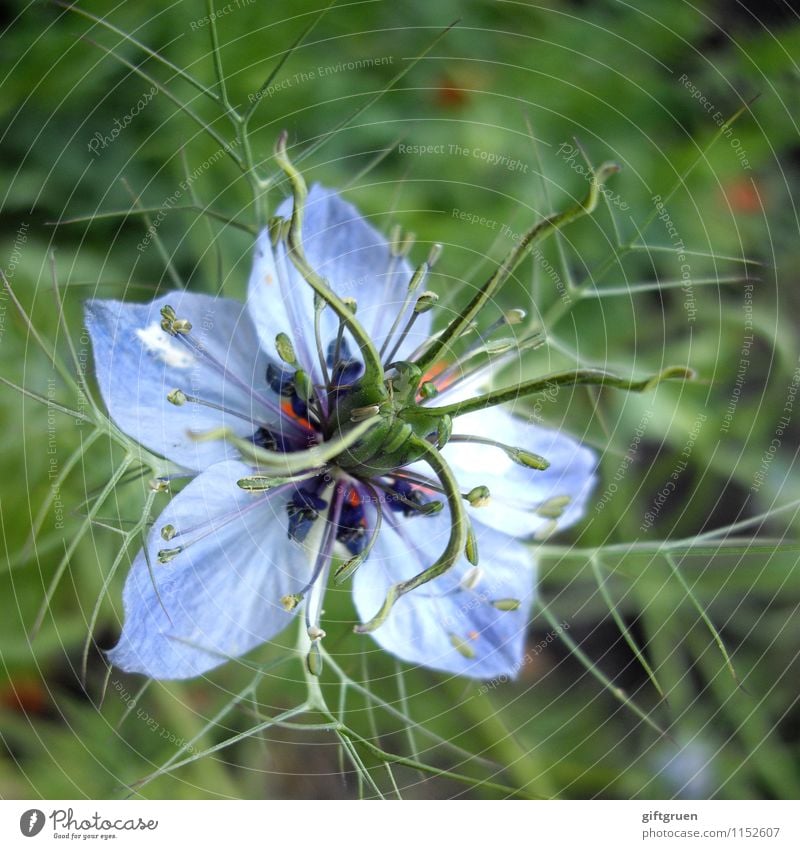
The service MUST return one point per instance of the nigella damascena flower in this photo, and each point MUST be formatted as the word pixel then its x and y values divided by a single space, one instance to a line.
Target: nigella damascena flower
pixel 323 423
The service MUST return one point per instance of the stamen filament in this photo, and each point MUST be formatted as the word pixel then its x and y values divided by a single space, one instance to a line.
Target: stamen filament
pixel 396 245
pixel 518 455
pixel 498 349
pixel 507 319
pixel 416 281
pixel 193 399
pixel 402 337
pixel 316 585
pixel 215 524
pixel 490 367
pixel 228 375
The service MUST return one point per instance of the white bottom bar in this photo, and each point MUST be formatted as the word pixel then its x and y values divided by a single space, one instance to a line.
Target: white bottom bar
pixel 334 823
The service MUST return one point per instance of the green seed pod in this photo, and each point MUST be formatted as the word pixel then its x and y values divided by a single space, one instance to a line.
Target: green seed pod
pixel 314 660
pixel 347 569
pixel 428 390
pixel 285 349
pixel 554 507
pixel 426 301
pixel 515 316
pixel 479 496
pixel 290 602
pixel 444 432
pixel 303 385
pixel 471 548
pixel 260 483
pixel 166 554
pixel 434 254
pixel 506 603
pixel 168 532
pixel 529 459
pixel 462 646
pixel 361 414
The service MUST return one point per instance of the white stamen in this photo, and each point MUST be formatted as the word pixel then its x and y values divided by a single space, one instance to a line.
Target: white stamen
pixel 472 577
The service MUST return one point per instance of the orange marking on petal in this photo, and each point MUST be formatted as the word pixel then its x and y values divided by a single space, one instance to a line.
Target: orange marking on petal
pixel 286 406
pixel 433 372
pixel 473 635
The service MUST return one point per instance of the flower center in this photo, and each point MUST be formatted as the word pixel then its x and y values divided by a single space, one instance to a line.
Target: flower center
pixel 367 466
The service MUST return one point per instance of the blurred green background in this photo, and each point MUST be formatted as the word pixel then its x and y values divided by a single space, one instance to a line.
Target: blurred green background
pixel 648 85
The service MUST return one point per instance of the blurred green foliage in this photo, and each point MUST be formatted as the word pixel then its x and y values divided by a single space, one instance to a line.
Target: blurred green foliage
pixel 648 86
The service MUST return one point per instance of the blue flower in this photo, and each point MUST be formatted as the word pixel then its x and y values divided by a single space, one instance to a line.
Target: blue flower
pixel 261 404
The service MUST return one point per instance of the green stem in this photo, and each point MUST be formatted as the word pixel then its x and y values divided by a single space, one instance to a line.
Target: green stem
pixel 28 393
pixel 222 142
pixel 386 757
pixel 315 699
pixel 177 71
pixel 47 350
pixel 256 97
pixel 146 210
pixel 70 549
pixel 524 764
pixel 131 537
pixel 706 619
pixel 223 89
pixel 579 377
pixel 537 233
pixel 601 579
pixel 173 764
pixel 591 667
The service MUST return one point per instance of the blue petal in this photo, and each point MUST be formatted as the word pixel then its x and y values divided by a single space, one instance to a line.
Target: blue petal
pixel 426 624
pixel 221 596
pixel 524 502
pixel 137 364
pixel 355 259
